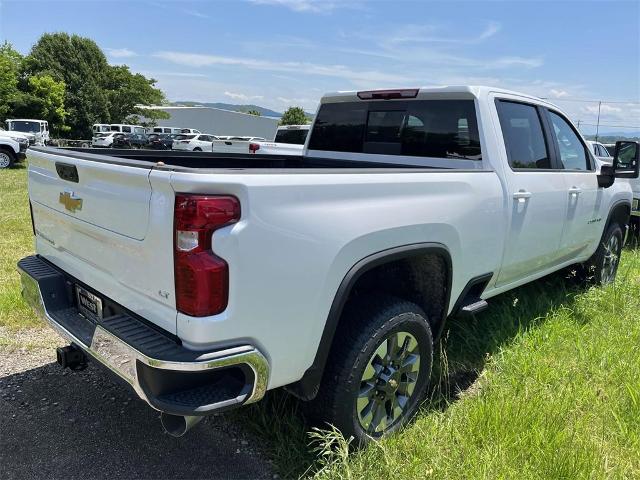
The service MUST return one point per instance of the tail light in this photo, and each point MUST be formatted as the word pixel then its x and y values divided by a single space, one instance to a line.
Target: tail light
pixel 388 94
pixel 254 147
pixel 201 278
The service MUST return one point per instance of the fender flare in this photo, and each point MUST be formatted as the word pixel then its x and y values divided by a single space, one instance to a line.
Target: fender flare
pixel 307 387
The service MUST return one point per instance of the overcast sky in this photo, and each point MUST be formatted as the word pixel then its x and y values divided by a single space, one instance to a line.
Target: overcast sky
pixel 277 53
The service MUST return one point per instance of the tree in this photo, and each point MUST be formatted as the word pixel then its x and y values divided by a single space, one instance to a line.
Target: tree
pixel 254 112
pixel 10 61
pixel 294 116
pixel 127 91
pixel 81 65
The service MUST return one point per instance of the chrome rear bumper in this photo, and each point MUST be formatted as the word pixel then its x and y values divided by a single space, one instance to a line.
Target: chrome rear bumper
pixel 169 377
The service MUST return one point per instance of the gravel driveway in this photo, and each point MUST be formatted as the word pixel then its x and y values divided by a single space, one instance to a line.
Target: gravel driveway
pixel 56 423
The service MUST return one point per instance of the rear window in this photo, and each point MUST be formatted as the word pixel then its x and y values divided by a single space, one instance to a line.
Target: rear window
pixel 295 136
pixel 422 128
pixel 184 137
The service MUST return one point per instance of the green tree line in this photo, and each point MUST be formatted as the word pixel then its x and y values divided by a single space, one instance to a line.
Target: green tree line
pixel 66 80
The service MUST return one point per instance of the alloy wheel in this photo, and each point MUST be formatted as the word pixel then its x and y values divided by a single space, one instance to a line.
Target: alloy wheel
pixel 611 259
pixel 388 383
pixel 5 160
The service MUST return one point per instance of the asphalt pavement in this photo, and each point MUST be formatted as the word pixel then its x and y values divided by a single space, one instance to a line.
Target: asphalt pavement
pixel 56 423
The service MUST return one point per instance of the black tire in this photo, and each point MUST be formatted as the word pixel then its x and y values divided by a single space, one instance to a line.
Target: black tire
pixel 197 149
pixel 602 267
pixel 365 328
pixel 7 158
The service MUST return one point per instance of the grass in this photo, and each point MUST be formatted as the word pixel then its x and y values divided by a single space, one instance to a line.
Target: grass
pixel 545 384
pixel 16 241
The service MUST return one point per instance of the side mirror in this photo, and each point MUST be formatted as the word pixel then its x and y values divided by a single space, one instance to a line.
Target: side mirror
pixel 626 159
pixel 606 177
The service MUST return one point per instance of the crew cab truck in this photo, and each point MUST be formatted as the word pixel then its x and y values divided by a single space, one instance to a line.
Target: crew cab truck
pixel 205 280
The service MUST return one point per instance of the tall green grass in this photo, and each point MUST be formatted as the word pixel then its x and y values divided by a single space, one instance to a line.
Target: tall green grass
pixel 545 384
pixel 16 241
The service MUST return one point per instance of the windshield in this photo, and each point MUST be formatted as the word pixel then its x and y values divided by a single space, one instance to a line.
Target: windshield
pixel 295 136
pixel 25 126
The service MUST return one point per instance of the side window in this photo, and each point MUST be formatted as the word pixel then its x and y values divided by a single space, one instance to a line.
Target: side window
pixel 523 136
pixel 126 129
pixel 573 154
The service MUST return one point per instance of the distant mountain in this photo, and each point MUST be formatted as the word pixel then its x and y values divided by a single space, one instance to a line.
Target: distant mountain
pixel 265 112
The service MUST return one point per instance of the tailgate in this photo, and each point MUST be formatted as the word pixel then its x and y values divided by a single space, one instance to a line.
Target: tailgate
pixel 110 196
pixel 107 222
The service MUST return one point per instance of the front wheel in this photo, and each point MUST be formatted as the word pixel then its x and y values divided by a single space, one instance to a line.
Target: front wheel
pixel 378 369
pixel 602 267
pixel 7 159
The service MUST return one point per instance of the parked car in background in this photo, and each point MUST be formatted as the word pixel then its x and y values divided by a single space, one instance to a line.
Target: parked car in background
pixel 193 142
pixel 103 140
pixel 333 273
pixel 235 144
pixel 600 151
pixel 289 140
pixel 39 128
pixel 189 130
pixel 160 141
pixel 129 140
pixel 292 134
pixel 19 137
pixel 11 151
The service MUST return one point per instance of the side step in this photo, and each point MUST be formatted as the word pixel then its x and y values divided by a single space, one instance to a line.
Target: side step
pixel 474 307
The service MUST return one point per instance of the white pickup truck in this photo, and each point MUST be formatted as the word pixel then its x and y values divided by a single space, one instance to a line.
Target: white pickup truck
pixel 289 140
pixel 205 280
pixel 12 150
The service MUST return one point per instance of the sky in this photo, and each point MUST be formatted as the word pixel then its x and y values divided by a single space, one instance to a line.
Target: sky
pixel 277 53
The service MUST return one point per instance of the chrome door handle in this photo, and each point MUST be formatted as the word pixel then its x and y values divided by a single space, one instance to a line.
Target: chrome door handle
pixel 575 191
pixel 522 196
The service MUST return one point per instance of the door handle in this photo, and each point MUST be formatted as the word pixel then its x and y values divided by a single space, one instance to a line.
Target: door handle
pixel 522 196
pixel 575 191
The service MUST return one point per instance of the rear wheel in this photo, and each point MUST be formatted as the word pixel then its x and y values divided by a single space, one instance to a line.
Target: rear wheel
pixel 197 149
pixel 602 267
pixel 7 158
pixel 378 369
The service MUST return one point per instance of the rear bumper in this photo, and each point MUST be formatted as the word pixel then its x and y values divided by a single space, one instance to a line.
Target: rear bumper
pixel 169 377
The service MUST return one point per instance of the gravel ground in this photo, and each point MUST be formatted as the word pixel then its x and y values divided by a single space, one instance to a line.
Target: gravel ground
pixel 56 423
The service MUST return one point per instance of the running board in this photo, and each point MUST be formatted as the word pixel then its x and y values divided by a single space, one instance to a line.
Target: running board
pixel 473 308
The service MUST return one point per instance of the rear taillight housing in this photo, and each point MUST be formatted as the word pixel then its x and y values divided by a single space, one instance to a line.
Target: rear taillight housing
pixel 201 277
pixel 254 147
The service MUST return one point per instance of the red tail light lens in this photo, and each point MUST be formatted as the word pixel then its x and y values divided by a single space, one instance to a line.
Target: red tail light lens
pixel 254 147
pixel 201 278
pixel 388 94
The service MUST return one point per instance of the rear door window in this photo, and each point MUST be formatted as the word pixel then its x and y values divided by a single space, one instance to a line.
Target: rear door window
pixel 523 136
pixel 422 128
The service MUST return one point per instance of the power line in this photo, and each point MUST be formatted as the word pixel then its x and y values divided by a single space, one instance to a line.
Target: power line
pixel 628 102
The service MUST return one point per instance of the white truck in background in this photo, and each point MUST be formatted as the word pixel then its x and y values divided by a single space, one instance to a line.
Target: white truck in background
pixel 203 281
pixel 38 128
pixel 12 151
pixel 289 140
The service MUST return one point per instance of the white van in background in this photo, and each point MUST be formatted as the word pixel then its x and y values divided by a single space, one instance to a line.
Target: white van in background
pixel 122 128
pixel 100 128
pixel 169 130
pixel 39 128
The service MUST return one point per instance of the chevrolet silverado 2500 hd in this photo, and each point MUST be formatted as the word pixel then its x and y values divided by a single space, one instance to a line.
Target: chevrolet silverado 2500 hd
pixel 204 280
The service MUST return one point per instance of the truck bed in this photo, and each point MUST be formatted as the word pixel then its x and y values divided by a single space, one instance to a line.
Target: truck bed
pixel 178 160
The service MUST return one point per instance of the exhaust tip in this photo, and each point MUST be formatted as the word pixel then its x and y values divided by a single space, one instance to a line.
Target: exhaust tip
pixel 178 425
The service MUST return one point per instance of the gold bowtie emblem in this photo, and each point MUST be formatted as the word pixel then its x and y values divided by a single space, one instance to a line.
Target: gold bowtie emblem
pixel 70 201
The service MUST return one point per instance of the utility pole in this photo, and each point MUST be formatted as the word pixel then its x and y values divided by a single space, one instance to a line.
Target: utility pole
pixel 578 125
pixel 598 123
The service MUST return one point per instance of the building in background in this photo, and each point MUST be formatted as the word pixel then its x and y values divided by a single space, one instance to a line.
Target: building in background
pixel 219 122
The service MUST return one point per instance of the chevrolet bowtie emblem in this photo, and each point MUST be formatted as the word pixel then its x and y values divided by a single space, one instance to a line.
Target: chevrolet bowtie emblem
pixel 70 201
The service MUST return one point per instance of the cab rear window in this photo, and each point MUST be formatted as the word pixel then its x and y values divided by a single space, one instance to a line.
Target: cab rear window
pixel 422 128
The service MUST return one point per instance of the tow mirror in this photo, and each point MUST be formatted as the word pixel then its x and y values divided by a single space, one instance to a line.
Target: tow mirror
pixel 626 159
